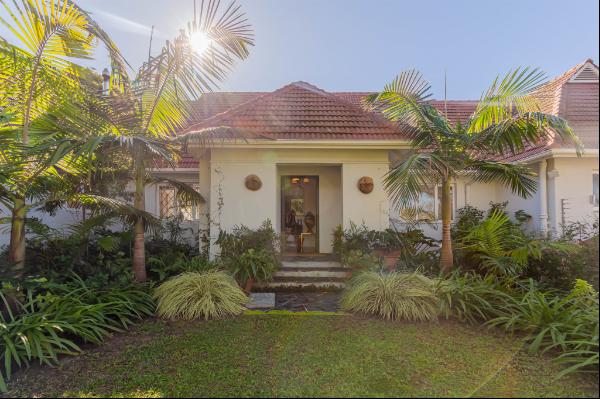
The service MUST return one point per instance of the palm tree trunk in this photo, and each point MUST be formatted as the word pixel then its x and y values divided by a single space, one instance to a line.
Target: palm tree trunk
pixel 16 252
pixel 139 250
pixel 447 257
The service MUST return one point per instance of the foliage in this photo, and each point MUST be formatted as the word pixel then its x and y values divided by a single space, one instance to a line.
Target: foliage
pixel 243 238
pixel 250 253
pixel 497 246
pixel 565 323
pixel 207 295
pixel 507 120
pixel 257 265
pixel 162 267
pixel 471 298
pixel 358 260
pixel 393 296
pixel 49 319
pixel 466 218
pixel 359 247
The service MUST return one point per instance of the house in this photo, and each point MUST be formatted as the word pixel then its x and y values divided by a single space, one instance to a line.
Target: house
pixel 316 160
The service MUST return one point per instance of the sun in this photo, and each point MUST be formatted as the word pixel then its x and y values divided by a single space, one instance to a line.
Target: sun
pixel 200 42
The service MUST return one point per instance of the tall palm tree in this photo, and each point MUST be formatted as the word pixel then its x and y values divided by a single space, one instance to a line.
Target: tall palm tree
pixel 506 121
pixel 37 74
pixel 144 115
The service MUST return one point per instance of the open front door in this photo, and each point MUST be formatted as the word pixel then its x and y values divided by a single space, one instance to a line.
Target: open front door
pixel 300 214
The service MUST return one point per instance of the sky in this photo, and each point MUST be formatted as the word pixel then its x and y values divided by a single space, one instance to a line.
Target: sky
pixel 359 45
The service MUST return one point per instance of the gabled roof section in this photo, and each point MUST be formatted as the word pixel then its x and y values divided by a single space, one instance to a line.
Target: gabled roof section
pixel 301 111
pixel 586 74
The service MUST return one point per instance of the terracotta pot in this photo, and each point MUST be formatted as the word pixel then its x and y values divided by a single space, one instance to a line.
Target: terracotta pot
pixel 390 259
pixel 249 285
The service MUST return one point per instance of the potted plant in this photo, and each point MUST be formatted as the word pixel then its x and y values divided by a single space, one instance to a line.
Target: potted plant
pixel 254 266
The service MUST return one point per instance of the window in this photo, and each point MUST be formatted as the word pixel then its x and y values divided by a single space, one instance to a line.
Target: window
pixel 595 189
pixel 170 206
pixel 429 206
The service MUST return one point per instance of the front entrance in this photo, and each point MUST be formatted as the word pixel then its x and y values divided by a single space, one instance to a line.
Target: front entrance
pixel 300 214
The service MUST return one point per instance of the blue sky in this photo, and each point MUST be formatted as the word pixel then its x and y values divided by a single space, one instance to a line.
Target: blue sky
pixel 359 45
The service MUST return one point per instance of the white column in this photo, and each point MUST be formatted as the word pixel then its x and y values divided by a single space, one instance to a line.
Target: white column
pixel 543 192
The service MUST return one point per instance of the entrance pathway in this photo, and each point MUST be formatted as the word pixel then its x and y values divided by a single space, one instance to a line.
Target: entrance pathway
pixel 308 301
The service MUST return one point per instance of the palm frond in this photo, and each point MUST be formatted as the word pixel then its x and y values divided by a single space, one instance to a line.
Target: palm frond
pixel 405 181
pixel 520 178
pixel 513 94
pixel 185 193
pixel 208 137
pixel 514 134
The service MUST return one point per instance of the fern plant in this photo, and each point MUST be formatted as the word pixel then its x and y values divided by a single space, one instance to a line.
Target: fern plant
pixel 206 295
pixel 392 296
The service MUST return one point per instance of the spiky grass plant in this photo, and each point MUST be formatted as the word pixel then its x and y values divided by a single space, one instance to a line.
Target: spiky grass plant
pixel 392 296
pixel 206 295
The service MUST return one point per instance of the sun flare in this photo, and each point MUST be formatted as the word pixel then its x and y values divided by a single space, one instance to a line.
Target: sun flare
pixel 200 42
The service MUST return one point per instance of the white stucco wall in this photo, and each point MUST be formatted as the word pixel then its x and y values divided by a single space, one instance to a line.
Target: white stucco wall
pixel 231 203
pixel 571 180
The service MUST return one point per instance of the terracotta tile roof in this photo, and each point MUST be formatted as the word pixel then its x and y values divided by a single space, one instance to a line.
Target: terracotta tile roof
pixel 303 111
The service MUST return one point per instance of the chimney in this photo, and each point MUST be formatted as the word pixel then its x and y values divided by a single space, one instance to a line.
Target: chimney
pixel 105 82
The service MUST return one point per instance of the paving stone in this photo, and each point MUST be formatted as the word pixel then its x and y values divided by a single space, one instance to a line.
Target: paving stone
pixel 261 300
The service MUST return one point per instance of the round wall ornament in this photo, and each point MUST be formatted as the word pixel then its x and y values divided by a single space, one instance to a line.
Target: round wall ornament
pixel 253 183
pixel 365 184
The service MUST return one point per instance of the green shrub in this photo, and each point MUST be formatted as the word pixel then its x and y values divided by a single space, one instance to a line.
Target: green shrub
pixel 258 265
pixel 162 267
pixel 549 319
pixel 358 260
pixel 48 321
pixel 472 298
pixel 243 238
pixel 393 296
pixel 207 295
pixel 361 248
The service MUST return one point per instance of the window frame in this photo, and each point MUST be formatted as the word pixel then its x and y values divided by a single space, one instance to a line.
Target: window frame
pixel 437 217
pixel 195 209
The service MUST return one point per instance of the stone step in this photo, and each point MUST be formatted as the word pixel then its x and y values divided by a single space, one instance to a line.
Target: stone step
pixel 317 285
pixel 311 264
pixel 313 272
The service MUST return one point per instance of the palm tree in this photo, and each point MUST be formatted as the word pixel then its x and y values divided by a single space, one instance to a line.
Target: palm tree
pixel 506 121
pixel 35 76
pixel 144 116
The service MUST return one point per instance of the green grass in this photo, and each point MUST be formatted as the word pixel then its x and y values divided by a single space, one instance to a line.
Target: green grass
pixel 314 355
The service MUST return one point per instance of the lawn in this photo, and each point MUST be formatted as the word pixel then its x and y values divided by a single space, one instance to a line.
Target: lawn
pixel 306 354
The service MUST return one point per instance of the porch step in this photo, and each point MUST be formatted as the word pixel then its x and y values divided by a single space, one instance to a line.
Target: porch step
pixel 302 273
pixel 308 264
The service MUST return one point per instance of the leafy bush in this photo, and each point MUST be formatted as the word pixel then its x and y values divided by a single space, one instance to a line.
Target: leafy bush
pixel 243 238
pixel 358 260
pixel 357 246
pixel 163 267
pixel 207 295
pixel 250 254
pixel 499 247
pixel 49 320
pixel 407 296
pixel 564 324
pixel 472 298
pixel 568 323
pixel 256 265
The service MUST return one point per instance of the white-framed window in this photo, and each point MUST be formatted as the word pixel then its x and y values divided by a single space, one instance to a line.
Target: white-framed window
pixel 429 206
pixel 170 206
pixel 595 194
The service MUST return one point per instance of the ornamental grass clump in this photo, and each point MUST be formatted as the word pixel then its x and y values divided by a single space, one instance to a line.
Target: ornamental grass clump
pixel 392 296
pixel 206 295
